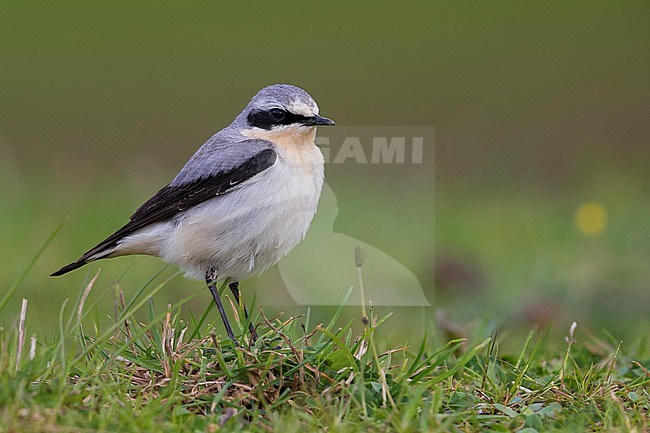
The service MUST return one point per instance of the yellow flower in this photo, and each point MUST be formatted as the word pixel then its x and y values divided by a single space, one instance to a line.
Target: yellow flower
pixel 591 218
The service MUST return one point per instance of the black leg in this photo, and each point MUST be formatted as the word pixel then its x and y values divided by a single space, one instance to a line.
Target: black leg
pixel 234 288
pixel 211 280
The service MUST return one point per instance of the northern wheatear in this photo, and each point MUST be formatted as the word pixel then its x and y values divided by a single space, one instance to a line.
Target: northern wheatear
pixel 242 201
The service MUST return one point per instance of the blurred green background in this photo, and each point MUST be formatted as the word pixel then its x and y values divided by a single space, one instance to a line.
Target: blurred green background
pixel 539 108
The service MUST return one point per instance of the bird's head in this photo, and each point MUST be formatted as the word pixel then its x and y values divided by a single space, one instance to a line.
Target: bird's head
pixel 281 109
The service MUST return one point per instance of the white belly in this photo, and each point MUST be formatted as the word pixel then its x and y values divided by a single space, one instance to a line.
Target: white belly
pixel 246 231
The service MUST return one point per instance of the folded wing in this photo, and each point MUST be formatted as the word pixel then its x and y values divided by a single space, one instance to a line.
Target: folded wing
pixel 190 188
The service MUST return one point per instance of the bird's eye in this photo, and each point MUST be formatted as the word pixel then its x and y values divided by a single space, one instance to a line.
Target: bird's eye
pixel 277 114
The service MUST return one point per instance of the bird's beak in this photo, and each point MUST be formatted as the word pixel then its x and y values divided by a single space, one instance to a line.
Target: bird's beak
pixel 318 121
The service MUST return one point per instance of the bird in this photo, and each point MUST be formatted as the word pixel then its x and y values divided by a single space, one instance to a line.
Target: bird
pixel 242 201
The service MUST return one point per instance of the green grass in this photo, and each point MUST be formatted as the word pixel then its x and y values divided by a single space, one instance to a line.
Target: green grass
pixel 147 369
pixel 110 359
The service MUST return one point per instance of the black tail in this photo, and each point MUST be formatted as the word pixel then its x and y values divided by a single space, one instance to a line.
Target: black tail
pixel 101 251
pixel 71 267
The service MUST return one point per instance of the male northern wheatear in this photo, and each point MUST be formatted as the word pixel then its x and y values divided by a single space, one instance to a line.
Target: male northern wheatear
pixel 241 202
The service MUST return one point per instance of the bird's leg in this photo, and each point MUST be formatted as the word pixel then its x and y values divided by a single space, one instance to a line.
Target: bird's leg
pixel 234 288
pixel 211 280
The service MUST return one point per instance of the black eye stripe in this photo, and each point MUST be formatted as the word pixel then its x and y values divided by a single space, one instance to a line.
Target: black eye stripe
pixel 265 120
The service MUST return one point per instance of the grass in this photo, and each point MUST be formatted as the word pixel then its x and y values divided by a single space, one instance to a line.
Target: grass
pixel 112 359
pixel 148 369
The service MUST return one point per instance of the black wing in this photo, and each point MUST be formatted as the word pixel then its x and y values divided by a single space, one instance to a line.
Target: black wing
pixel 171 200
